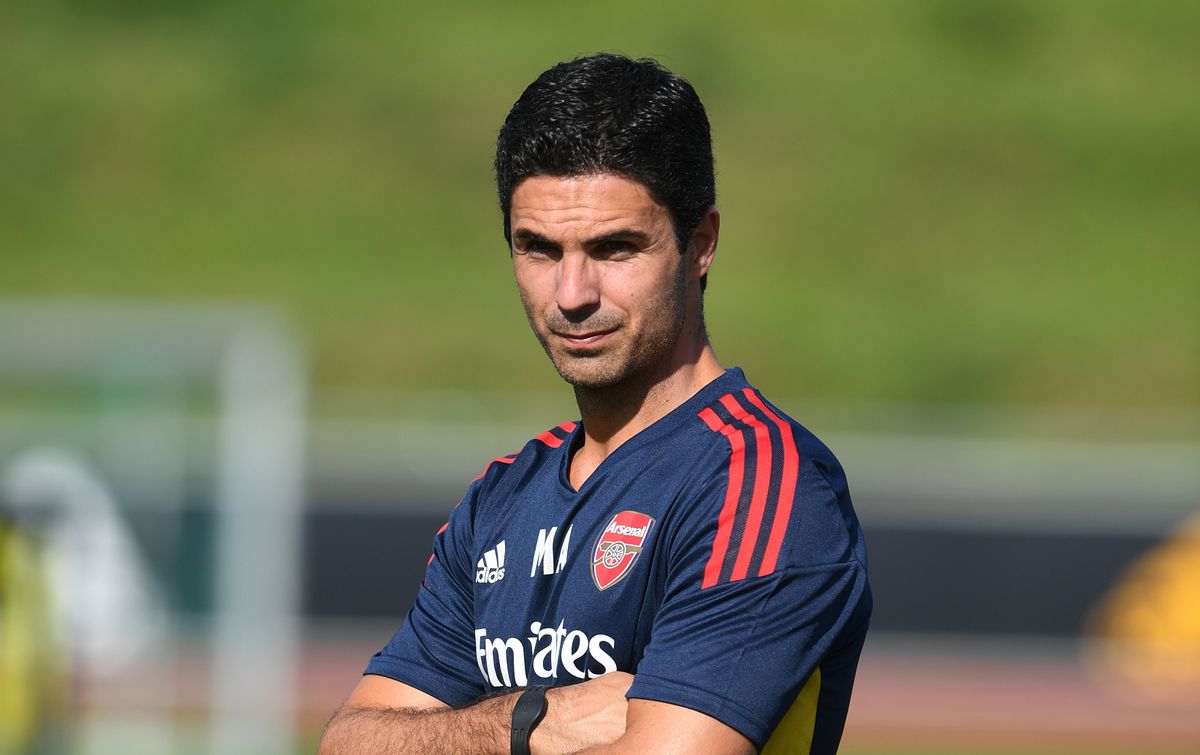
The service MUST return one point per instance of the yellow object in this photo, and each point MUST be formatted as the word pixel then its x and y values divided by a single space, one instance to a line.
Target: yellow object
pixel 794 734
pixel 1148 627
pixel 23 623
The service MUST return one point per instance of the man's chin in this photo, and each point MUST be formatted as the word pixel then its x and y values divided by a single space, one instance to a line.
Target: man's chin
pixel 591 373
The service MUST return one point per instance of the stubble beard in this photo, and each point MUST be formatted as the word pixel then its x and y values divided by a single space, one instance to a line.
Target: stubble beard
pixel 628 364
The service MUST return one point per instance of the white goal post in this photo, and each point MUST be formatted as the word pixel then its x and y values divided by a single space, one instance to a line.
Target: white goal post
pixel 256 375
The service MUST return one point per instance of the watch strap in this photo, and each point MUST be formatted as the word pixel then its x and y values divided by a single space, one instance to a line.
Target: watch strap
pixel 527 714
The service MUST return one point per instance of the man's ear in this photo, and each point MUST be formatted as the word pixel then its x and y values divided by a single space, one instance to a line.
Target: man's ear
pixel 703 245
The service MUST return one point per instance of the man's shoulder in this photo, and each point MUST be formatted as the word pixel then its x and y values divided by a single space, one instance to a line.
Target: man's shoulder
pixel 753 426
pixel 782 496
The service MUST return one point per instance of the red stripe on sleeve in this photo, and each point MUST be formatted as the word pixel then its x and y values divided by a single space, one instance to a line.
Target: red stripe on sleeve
pixel 568 426
pixel 737 463
pixel 711 419
pixel 787 487
pixel 762 483
pixel 550 439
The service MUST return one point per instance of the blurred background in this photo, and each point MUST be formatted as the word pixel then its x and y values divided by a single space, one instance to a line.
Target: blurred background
pixel 258 331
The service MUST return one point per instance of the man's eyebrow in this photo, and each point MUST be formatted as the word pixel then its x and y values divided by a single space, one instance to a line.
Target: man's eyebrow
pixel 526 236
pixel 625 234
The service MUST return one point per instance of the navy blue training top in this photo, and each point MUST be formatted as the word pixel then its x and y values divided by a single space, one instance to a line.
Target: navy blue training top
pixel 715 555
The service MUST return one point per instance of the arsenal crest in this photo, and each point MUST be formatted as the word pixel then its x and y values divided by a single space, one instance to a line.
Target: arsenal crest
pixel 618 547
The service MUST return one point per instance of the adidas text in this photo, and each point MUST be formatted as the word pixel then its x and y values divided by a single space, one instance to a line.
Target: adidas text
pixel 490 568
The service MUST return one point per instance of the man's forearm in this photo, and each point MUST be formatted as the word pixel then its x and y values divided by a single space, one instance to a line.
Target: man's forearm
pixel 480 729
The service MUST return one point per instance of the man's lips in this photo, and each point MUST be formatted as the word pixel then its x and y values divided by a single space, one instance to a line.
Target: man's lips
pixel 584 339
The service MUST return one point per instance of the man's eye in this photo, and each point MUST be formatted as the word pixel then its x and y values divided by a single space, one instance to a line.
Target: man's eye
pixel 617 248
pixel 540 250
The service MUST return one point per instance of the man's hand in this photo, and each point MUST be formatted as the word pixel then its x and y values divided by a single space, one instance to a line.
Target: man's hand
pixel 583 715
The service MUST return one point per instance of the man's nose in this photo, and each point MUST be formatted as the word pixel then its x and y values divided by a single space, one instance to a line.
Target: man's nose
pixel 578 284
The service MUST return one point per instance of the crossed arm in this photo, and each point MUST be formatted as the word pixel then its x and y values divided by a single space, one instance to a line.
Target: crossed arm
pixel 385 716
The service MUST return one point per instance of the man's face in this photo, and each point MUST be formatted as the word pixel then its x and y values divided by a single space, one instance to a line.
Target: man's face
pixel 600 275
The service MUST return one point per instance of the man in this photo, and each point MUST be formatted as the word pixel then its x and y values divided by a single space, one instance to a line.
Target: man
pixel 682 567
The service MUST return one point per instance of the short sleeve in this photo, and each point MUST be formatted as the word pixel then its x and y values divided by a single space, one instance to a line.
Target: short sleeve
pixel 742 648
pixel 428 652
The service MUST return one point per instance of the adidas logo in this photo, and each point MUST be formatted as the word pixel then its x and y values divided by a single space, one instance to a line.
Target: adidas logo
pixel 490 568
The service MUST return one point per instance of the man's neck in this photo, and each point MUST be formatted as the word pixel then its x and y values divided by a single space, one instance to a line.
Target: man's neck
pixel 616 414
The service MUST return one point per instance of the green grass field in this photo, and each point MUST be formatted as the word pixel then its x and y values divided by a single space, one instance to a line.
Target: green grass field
pixel 967 203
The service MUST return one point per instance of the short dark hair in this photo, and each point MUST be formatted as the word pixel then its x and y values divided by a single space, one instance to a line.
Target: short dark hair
pixel 607 113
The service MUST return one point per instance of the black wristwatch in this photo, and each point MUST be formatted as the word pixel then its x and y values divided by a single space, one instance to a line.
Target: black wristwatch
pixel 527 714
